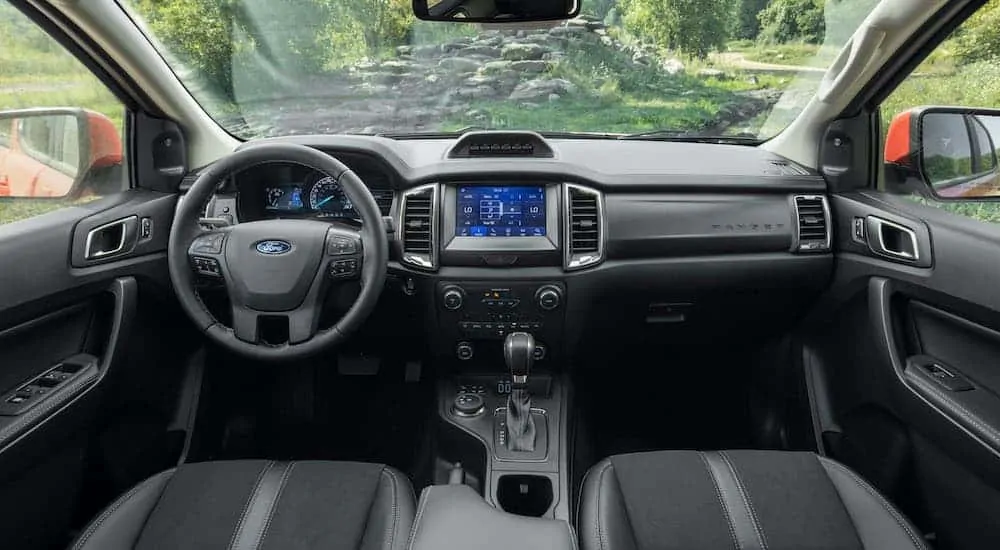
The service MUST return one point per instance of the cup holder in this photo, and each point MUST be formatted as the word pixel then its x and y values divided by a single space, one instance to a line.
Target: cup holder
pixel 524 495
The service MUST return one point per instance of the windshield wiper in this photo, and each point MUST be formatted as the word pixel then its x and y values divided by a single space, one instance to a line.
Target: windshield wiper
pixel 687 137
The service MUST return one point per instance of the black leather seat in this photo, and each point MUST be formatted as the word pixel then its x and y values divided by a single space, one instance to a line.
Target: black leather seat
pixel 251 504
pixel 735 500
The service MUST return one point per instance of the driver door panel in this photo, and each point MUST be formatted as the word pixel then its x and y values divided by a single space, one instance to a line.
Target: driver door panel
pixel 66 327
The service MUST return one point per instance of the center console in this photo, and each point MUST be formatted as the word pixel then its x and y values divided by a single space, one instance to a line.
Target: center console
pixel 496 257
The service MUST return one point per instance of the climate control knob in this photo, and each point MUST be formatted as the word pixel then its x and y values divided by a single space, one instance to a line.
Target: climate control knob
pixel 452 298
pixel 548 297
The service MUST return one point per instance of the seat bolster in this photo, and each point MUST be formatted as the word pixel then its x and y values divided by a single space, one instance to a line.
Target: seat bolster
pixel 119 525
pixel 391 516
pixel 878 524
pixel 602 516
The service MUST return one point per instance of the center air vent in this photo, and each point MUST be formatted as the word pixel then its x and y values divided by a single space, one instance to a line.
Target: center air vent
pixel 501 144
pixel 419 220
pixel 812 214
pixel 383 197
pixel 585 227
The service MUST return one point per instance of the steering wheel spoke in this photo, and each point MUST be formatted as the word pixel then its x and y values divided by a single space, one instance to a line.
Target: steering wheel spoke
pixel 246 323
pixel 303 324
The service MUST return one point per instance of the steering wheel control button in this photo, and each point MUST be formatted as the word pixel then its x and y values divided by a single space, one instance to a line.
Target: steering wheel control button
pixel 464 351
pixel 207 266
pixel 469 404
pixel 344 269
pixel 339 245
pixel 208 244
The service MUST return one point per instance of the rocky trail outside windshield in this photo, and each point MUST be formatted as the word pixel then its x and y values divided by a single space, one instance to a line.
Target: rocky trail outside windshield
pixel 540 79
pixel 711 67
pixel 571 77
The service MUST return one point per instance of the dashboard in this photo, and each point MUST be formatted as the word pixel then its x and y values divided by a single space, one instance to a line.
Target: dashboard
pixel 570 239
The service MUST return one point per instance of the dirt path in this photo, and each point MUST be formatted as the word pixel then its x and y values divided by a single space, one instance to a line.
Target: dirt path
pixel 739 61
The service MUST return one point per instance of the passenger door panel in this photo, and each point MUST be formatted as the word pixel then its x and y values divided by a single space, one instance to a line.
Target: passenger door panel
pixel 908 350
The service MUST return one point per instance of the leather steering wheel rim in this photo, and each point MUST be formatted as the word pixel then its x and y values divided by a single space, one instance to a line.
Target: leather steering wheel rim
pixel 185 229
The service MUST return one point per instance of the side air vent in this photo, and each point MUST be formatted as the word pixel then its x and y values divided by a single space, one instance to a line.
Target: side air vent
pixel 584 227
pixel 383 197
pixel 501 144
pixel 419 220
pixel 812 214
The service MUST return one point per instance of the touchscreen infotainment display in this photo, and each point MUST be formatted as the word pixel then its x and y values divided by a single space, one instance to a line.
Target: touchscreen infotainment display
pixel 500 211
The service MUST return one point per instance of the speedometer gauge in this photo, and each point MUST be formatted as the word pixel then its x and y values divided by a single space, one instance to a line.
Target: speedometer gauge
pixel 328 198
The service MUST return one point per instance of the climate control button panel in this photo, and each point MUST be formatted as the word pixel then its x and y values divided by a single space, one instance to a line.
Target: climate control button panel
pixel 468 311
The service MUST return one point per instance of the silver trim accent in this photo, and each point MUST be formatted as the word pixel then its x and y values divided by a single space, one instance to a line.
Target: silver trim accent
pixel 89 254
pixel 461 414
pixel 579 261
pixel 422 261
pixel 882 250
pixel 797 240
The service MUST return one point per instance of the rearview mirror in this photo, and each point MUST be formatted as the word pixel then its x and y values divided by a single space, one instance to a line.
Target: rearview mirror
pixel 946 153
pixel 47 153
pixel 495 11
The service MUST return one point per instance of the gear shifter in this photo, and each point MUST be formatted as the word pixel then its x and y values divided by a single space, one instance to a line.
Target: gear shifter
pixel 518 352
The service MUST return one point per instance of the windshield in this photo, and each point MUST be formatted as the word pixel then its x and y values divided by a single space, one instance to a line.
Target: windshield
pixel 693 68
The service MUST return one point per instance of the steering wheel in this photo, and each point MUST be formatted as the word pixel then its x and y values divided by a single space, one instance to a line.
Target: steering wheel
pixel 278 269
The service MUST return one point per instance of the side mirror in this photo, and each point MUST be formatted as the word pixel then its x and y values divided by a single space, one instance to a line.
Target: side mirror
pixel 49 153
pixel 947 153
pixel 495 11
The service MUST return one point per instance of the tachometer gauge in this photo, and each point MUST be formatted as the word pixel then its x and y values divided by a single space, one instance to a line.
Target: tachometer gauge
pixel 329 198
pixel 274 195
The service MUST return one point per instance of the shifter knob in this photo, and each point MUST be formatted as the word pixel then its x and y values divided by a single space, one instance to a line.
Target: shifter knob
pixel 518 353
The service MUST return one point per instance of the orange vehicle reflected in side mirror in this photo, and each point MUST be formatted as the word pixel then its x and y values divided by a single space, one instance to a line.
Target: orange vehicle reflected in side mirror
pixel 945 153
pixel 52 153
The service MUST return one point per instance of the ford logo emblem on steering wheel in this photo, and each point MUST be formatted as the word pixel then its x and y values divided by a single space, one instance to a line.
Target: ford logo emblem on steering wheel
pixel 273 248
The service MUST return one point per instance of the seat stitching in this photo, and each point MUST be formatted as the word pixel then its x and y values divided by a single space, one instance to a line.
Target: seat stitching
pixel 416 522
pixel 395 509
pixel 274 505
pixel 746 500
pixel 109 512
pixel 962 411
pixel 601 535
pixel 917 541
pixel 246 506
pixel 718 494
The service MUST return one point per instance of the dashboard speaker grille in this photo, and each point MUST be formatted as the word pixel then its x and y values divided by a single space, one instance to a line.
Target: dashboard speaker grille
pixel 812 214
pixel 418 227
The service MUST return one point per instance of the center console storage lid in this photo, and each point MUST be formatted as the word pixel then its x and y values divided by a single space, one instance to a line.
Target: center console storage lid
pixel 454 517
